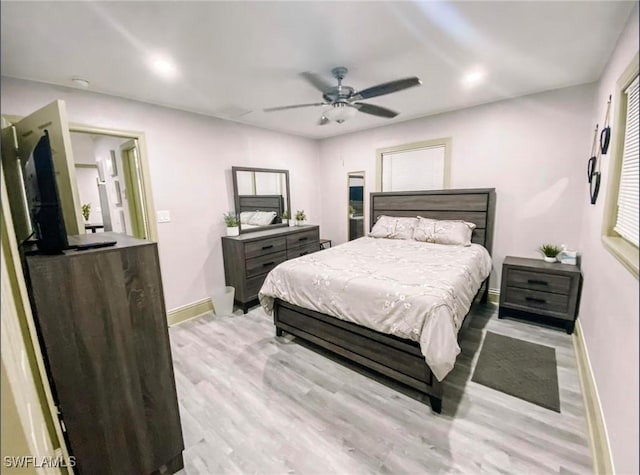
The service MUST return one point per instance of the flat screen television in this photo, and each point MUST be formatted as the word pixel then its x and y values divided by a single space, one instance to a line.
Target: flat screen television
pixel 43 199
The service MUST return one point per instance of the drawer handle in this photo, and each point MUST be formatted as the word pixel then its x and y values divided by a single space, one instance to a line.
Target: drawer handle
pixel 267 264
pixel 534 299
pixel 538 282
pixel 304 253
pixel 267 247
pixel 303 239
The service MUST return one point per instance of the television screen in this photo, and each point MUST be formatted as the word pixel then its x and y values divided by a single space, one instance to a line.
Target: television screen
pixel 43 200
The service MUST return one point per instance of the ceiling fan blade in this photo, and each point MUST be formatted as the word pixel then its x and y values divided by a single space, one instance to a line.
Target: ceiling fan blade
pixel 316 81
pixel 297 106
pixel 386 88
pixel 375 110
pixel 323 121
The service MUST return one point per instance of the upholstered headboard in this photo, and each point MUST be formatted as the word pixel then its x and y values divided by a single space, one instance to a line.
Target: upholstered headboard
pixel 476 206
pixel 262 203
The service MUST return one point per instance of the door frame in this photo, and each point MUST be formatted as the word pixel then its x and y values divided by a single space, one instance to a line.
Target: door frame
pixel 363 174
pixel 145 179
pixel 130 171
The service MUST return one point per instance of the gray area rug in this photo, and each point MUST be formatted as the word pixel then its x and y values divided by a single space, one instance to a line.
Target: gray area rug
pixel 522 369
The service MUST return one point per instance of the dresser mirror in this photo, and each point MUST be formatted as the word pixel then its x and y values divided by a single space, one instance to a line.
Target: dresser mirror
pixel 355 184
pixel 261 197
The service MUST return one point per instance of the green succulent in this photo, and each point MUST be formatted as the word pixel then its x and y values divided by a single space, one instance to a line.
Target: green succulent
pixel 550 250
pixel 231 220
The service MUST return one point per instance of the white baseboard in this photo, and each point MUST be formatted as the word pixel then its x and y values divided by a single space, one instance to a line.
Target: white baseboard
pixel 596 426
pixel 189 311
pixel 494 296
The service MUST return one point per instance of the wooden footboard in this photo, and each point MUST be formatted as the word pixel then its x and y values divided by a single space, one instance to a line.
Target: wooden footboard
pixel 396 358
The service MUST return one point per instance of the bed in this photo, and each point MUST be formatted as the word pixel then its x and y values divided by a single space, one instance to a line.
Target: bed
pixel 424 291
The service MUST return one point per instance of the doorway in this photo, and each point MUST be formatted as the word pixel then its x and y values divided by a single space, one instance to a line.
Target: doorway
pixel 110 187
pixel 355 187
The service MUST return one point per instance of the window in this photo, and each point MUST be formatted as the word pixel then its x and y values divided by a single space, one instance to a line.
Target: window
pixel 620 227
pixel 627 218
pixel 414 167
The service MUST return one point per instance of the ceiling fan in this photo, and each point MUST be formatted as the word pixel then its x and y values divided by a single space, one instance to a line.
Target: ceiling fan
pixel 343 100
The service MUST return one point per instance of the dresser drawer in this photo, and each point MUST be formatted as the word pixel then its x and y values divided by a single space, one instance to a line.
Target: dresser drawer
pixel 265 246
pixel 263 264
pixel 535 301
pixel 303 238
pixel 303 250
pixel 558 284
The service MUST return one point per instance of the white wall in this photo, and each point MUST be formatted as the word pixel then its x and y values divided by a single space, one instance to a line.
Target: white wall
pixel 531 149
pixel 609 311
pixel 84 150
pixel 88 192
pixel 190 160
pixel 120 216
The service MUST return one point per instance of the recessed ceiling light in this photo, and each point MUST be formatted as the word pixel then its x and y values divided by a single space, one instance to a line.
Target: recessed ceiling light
pixel 163 67
pixel 83 83
pixel 474 77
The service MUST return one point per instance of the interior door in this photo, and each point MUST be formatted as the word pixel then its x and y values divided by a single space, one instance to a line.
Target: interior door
pixel 133 186
pixel 18 142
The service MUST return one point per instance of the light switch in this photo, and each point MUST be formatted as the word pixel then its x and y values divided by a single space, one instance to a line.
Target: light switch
pixel 163 216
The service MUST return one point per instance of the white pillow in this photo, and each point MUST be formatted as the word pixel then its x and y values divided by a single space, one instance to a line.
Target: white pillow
pixel 246 216
pixel 454 232
pixel 262 218
pixel 393 227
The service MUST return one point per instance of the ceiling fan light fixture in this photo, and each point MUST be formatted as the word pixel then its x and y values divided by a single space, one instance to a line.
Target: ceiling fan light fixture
pixel 340 111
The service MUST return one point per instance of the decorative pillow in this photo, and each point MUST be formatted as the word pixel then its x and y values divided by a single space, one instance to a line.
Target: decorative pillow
pixel 393 228
pixel 405 228
pixel 262 218
pixel 452 232
pixel 246 216
pixel 385 227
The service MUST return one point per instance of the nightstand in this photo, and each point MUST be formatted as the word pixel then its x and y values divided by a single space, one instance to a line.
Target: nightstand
pixel 324 242
pixel 534 288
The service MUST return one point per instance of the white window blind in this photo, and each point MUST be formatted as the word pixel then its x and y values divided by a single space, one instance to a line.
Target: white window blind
pixel 627 219
pixel 413 170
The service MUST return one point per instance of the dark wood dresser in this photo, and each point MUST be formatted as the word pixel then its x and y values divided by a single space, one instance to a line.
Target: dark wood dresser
pixel 534 288
pixel 248 258
pixel 102 323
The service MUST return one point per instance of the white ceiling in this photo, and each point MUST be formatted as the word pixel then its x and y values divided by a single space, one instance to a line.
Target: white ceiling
pixel 245 56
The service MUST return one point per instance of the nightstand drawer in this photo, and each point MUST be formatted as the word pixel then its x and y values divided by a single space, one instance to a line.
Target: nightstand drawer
pixel 263 264
pixel 264 246
pixel 558 284
pixel 303 250
pixel 303 238
pixel 538 301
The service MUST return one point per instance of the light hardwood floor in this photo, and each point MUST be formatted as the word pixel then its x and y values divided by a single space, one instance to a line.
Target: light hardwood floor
pixel 254 403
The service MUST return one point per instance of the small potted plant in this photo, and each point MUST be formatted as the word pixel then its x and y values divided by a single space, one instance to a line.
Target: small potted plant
pixel 231 221
pixel 300 217
pixel 550 252
pixel 351 211
pixel 285 217
pixel 86 211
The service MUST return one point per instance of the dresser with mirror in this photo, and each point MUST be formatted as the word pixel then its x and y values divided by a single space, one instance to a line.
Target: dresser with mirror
pixel 261 198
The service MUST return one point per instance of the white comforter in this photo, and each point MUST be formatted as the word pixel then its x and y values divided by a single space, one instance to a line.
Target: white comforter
pixel 414 290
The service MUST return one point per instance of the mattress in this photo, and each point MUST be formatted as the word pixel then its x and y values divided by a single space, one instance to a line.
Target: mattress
pixel 413 290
